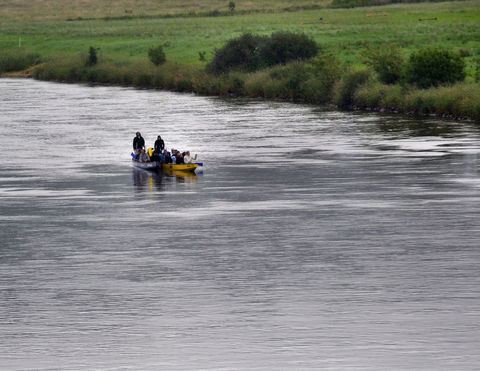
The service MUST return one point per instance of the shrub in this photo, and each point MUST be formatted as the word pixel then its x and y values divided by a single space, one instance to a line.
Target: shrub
pixel 369 95
pixel 294 80
pixel 92 57
pixel 143 80
pixel 476 72
pixel 283 47
pixel 345 89
pixel 18 61
pixel 285 82
pixel 183 83
pixel 255 83
pixel 378 96
pixel 325 71
pixel 275 89
pixel 157 55
pixel 57 68
pixel 459 100
pixel 242 52
pixel 158 80
pixel 205 84
pixel 387 62
pixel 420 102
pixel 252 52
pixel 433 67
pixel 232 84
pixel 394 97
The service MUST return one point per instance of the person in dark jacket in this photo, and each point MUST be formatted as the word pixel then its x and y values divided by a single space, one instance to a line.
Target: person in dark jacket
pixel 179 158
pixel 159 144
pixel 166 157
pixel 155 157
pixel 138 143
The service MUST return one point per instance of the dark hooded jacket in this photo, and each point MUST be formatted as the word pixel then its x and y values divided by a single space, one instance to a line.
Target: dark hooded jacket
pixel 138 142
pixel 159 145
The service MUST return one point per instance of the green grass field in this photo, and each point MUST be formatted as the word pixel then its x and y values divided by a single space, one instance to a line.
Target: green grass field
pixel 343 32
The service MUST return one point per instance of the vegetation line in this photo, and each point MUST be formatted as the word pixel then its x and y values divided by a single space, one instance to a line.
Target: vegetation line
pixel 321 80
pixel 196 14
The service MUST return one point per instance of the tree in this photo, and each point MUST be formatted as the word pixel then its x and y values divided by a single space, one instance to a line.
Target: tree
pixel 92 57
pixel 157 55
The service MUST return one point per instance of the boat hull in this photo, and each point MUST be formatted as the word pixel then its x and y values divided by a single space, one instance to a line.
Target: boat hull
pixel 179 167
pixel 184 168
pixel 146 165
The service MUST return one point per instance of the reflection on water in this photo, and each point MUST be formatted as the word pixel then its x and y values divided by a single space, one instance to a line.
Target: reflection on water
pixel 183 176
pixel 158 180
pixel 315 239
pixel 147 180
pixel 419 127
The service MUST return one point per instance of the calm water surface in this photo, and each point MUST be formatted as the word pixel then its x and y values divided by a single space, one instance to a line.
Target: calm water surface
pixel 312 239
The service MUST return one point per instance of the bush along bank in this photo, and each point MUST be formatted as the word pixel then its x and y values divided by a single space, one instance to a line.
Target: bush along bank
pixel 21 60
pixel 319 80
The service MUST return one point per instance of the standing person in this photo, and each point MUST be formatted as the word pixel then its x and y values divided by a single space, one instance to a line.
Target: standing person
pixel 138 143
pixel 159 144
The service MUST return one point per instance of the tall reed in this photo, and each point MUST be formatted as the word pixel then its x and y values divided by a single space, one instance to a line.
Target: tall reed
pixel 18 60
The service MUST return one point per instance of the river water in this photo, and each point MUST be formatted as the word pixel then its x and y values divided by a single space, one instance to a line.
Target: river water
pixel 311 239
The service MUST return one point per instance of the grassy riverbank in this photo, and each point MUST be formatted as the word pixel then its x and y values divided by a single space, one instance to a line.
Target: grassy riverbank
pixel 63 42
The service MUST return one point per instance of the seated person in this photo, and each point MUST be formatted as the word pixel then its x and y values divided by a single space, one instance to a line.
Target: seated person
pixel 155 157
pixel 166 157
pixel 173 156
pixel 189 159
pixel 179 158
pixel 143 156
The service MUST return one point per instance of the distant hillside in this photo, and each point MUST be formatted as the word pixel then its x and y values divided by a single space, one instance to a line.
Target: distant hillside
pixel 87 9
pixel 27 10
